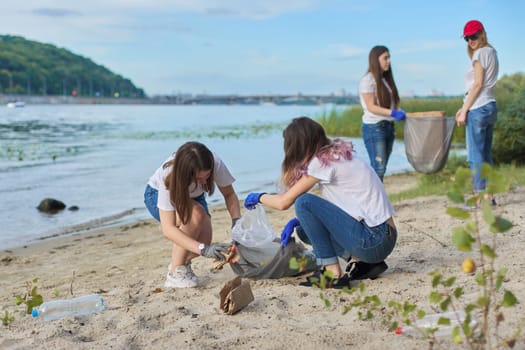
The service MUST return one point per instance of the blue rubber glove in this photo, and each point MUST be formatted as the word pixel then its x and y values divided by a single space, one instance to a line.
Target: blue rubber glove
pixel 398 115
pixel 288 231
pixel 252 200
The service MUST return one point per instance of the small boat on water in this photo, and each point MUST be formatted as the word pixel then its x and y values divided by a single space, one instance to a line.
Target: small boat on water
pixel 16 104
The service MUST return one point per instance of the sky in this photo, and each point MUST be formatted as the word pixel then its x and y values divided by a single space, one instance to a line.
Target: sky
pixel 248 47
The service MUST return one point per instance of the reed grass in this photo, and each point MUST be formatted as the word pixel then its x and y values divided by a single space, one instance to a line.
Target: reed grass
pixel 347 122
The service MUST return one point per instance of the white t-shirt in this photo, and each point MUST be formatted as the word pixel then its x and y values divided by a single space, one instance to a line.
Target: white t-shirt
pixel 222 177
pixel 353 186
pixel 488 58
pixel 368 85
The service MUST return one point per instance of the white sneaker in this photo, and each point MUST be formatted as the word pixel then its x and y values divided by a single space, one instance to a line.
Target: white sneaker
pixel 189 272
pixel 180 279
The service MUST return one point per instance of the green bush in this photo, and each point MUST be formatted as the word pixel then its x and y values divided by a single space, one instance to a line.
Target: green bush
pixel 508 87
pixel 509 140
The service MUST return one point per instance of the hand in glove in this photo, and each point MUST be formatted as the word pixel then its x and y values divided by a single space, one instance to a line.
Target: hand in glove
pixel 288 231
pixel 216 251
pixel 252 200
pixel 398 115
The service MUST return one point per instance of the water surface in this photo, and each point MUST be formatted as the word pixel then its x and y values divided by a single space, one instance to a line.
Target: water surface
pixel 99 158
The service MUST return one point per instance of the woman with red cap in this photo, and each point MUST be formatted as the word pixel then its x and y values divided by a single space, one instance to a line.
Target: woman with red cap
pixel 479 112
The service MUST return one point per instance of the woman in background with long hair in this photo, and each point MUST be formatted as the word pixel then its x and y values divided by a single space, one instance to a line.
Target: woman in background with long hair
pixel 380 101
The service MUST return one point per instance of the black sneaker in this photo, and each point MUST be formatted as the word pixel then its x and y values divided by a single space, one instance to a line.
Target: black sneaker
pixel 359 270
pixel 320 280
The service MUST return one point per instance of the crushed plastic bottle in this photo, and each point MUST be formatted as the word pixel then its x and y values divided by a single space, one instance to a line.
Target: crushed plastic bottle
pixel 56 309
pixel 417 330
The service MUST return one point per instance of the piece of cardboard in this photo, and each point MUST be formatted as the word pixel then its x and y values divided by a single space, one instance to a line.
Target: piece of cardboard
pixel 426 114
pixel 235 295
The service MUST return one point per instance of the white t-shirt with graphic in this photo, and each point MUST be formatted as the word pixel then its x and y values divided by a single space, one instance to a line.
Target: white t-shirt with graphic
pixel 222 177
pixel 353 186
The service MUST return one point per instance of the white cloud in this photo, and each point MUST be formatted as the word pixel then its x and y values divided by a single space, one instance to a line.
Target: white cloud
pixel 424 78
pixel 64 22
pixel 349 51
pixel 429 45
pixel 418 68
pixel 55 12
pixel 261 59
pixel 282 39
pixel 255 9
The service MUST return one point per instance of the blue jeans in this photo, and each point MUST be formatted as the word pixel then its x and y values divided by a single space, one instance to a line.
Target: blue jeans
pixel 151 196
pixel 379 140
pixel 480 129
pixel 334 233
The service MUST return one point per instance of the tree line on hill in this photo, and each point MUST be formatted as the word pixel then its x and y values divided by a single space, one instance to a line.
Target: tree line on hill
pixel 32 68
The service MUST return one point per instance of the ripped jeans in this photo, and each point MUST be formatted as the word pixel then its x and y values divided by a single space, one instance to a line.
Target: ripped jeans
pixel 379 140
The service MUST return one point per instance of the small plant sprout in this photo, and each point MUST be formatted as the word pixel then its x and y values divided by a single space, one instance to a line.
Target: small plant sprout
pixel 31 298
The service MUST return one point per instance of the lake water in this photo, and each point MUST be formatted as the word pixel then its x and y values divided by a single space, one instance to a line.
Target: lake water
pixel 99 158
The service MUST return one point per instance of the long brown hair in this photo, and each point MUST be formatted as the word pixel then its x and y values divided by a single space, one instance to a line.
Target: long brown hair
pixel 303 138
pixel 190 159
pixel 383 95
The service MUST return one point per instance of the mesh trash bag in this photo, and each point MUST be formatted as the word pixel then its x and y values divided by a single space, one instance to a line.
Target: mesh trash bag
pixel 427 142
pixel 271 260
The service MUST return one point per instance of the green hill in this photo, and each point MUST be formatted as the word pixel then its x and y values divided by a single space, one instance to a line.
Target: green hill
pixel 32 68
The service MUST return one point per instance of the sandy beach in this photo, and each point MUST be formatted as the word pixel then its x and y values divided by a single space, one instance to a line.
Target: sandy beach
pixel 128 264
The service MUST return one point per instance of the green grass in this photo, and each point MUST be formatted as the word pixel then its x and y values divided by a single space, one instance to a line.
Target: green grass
pixel 348 122
pixel 343 123
pixel 438 184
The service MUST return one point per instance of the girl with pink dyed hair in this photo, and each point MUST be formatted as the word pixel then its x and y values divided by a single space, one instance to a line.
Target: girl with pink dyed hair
pixel 352 218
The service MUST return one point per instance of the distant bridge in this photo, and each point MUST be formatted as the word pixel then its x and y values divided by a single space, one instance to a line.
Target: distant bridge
pixel 187 99
pixel 257 99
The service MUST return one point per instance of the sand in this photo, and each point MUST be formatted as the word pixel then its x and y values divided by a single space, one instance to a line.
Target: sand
pixel 128 264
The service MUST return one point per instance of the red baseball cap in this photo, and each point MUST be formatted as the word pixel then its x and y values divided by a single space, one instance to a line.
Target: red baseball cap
pixel 472 27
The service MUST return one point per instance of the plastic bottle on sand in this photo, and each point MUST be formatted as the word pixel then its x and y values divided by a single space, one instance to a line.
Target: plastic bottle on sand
pixel 431 321
pixel 83 305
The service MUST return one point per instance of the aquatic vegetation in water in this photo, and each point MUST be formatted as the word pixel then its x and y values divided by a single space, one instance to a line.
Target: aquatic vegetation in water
pixel 37 140
pixel 35 151
pixel 223 132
